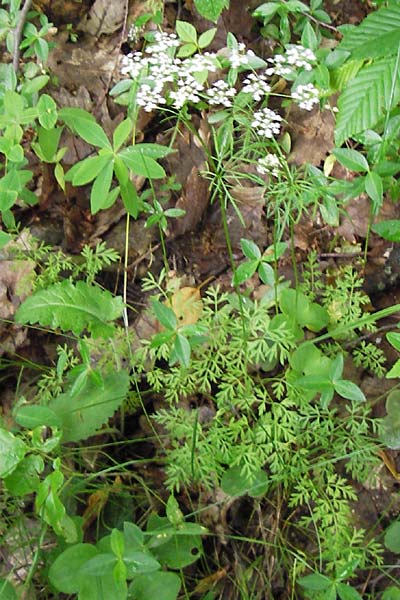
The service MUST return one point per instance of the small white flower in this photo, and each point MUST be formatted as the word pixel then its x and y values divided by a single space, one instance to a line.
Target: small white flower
pixel 162 42
pixel 201 62
pixel 221 93
pixel 238 57
pixel 267 123
pixel 306 96
pixel 188 90
pixel 269 165
pixel 257 86
pixel 132 64
pixel 150 97
pixel 296 57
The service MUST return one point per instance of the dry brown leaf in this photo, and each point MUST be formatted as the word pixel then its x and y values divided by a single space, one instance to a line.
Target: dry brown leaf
pixel 187 305
pixel 193 201
pixel 312 135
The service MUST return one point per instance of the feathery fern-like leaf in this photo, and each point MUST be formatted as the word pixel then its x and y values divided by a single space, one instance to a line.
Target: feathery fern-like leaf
pixel 378 35
pixel 72 307
pixel 84 413
pixel 367 97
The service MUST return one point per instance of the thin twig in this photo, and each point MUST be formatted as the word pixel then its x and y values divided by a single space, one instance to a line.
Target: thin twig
pixel 18 33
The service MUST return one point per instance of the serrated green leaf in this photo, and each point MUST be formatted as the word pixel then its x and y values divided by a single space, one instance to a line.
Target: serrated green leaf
pixel 84 413
pixel 72 307
pixel 211 9
pixel 186 32
pixel 367 97
pixel 377 35
pixel 351 159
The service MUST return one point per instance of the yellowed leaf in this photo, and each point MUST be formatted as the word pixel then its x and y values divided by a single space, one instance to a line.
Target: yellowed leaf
pixel 187 305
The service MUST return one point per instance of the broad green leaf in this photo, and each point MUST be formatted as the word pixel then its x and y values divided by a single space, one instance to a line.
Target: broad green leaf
pixel 84 413
pixel 181 350
pixel 152 150
pixel 351 159
pixel 336 368
pixel 186 50
pixel 82 122
pixel 392 537
pixel 140 562
pixel 47 111
pixel 12 451
pixel 349 390
pixel 186 32
pixel 48 140
pixel 266 273
pixel 391 593
pixel 179 551
pixel 367 97
pixel 211 9
pixel 308 37
pixel 389 230
pixel 72 307
pixel 7 591
pixel 374 189
pixel 99 565
pixel 64 571
pixel 100 189
pixel 121 133
pixel 346 592
pixel 206 38
pixel 131 199
pixel 266 11
pixel 25 477
pixel 393 337
pixel 315 582
pixel 165 585
pixel 86 170
pixel 377 35
pixel 164 314
pixel 234 483
pixel 140 164
pixel 31 416
pixel 245 271
pixel 4 238
pixel 250 249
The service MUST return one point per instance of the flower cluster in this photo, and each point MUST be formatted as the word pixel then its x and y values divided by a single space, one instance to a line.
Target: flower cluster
pixel 221 93
pixel 188 90
pixel 306 96
pixel 257 86
pixel 269 165
pixel 267 123
pixel 296 57
pixel 238 57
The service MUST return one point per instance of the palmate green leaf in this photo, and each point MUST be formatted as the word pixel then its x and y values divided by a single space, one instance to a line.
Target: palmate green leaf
pixel 367 97
pixel 378 35
pixel 84 413
pixel 72 307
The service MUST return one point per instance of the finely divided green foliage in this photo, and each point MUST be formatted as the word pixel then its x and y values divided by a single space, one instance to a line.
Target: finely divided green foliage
pixel 72 307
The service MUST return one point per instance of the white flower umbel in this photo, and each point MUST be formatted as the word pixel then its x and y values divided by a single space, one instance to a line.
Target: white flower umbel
pixel 201 62
pixel 269 165
pixel 267 123
pixel 132 64
pixel 150 96
pixel 238 57
pixel 162 42
pixel 221 93
pixel 257 86
pixel 188 90
pixel 296 57
pixel 306 96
